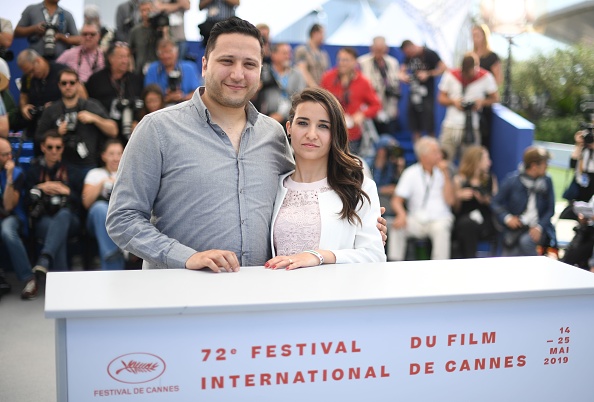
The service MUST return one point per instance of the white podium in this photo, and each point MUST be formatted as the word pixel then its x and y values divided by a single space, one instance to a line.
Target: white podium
pixel 515 329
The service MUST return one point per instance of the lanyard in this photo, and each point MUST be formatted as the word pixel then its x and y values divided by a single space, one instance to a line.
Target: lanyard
pixel 428 185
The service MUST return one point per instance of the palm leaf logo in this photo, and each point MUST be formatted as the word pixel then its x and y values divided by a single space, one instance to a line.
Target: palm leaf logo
pixel 135 367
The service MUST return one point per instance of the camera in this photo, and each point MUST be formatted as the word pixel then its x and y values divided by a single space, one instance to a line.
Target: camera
pixel 43 204
pixel 6 54
pixel 49 40
pixel 467 105
pixel 587 133
pixel 174 80
pixel 392 92
pixel 159 20
pixel 106 190
pixel 127 108
pixel 36 111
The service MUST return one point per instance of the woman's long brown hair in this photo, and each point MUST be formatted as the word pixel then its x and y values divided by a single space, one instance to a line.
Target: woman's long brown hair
pixel 345 170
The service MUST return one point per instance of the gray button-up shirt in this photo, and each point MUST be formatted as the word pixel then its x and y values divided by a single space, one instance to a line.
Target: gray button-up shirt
pixel 182 169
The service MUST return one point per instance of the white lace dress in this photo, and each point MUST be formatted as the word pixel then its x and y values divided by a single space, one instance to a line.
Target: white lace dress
pixel 298 225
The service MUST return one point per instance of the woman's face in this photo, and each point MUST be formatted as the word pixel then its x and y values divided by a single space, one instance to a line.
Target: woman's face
pixel 485 162
pixel 152 102
pixel 111 156
pixel 477 36
pixel 310 132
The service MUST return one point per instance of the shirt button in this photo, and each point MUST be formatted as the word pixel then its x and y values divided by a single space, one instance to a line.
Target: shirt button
pixel 242 221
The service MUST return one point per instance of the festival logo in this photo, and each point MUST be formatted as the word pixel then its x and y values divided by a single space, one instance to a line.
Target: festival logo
pixel 136 368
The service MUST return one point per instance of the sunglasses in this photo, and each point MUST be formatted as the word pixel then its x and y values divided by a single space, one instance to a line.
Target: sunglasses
pixel 64 83
pixel 91 34
pixel 51 147
pixel 120 44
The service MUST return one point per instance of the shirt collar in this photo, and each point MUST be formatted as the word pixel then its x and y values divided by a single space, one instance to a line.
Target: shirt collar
pixel 252 112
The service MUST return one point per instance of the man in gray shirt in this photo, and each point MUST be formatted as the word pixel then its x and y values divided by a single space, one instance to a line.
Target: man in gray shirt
pixel 205 170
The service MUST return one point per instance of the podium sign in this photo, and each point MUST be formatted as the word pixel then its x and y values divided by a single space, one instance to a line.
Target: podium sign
pixel 484 334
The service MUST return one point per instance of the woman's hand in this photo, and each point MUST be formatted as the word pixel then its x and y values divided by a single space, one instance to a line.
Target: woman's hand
pixel 293 261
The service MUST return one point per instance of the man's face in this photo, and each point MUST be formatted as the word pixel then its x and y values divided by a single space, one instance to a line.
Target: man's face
pixel 282 56
pixel 52 149
pixel 433 155
pixel 540 169
pixel 5 152
pixel 318 37
pixel 145 10
pixel 232 71
pixel 345 62
pixel 168 55
pixel 410 51
pixel 68 85
pixel 90 37
pixel 119 60
pixel 34 69
pixel 379 48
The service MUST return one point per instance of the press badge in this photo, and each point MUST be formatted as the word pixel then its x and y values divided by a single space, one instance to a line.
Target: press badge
pixel 82 150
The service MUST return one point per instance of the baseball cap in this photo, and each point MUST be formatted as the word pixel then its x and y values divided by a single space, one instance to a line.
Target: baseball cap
pixel 4 75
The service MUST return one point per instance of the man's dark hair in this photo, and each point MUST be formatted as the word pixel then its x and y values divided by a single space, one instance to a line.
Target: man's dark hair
pixel 230 26
pixel 52 133
pixel 349 50
pixel 67 70
pixel 406 44
pixel 315 28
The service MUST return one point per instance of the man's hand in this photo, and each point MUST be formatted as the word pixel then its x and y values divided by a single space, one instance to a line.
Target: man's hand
pixel 62 130
pixel 9 166
pixel 535 234
pixel 399 221
pixel 174 96
pixel 514 223
pixel 54 188
pixel 86 117
pixel 26 111
pixel 216 260
pixel 382 225
pixel 423 75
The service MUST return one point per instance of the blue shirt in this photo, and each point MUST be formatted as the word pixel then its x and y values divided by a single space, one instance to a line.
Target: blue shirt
pixel 156 74
pixel 18 180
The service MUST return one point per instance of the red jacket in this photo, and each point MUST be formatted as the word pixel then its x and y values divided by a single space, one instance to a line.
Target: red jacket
pixel 359 95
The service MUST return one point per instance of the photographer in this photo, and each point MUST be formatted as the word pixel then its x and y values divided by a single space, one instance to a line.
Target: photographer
pixel 115 86
pixel 83 123
pixel 95 198
pixel 582 160
pixel 39 87
pixel 13 221
pixel 52 193
pixel 579 252
pixel 464 91
pixel 127 16
pixel 178 79
pixel 382 70
pixel 174 10
pixel 49 29
pixel 144 36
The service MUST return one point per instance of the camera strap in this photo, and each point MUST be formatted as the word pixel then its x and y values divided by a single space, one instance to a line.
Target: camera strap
pixel 53 20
